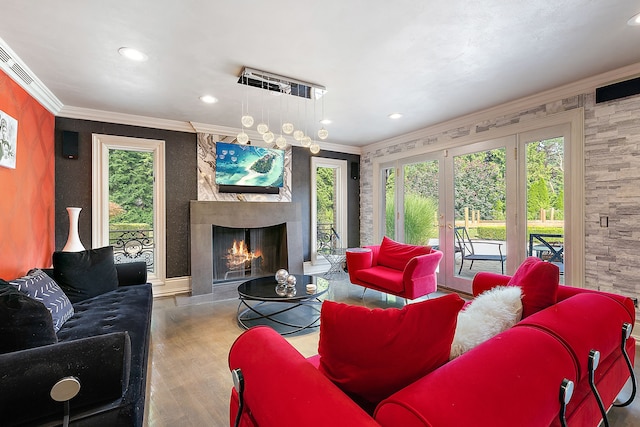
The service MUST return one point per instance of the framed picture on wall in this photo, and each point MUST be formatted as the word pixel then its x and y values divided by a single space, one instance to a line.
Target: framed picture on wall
pixel 8 140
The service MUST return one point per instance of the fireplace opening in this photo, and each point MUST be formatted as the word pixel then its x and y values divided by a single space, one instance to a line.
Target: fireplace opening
pixel 240 253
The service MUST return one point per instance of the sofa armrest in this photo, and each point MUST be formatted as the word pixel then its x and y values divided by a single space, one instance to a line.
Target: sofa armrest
pixel 358 259
pixel 422 265
pixel 132 273
pixel 101 364
pixel 283 389
pixel 483 281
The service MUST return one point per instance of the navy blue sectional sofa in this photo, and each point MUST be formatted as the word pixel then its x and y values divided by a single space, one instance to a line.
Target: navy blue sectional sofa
pixel 105 345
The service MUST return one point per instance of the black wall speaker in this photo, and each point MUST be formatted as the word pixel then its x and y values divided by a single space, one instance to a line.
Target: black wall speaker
pixel 70 144
pixel 618 90
pixel 355 170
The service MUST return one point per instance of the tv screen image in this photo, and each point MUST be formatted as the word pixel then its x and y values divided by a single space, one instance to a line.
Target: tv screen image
pixel 249 166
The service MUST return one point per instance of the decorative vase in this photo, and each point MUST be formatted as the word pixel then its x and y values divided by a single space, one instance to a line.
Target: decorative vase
pixel 73 241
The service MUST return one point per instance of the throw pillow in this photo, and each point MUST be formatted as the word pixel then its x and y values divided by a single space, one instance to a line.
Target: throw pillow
pixel 39 286
pixel 490 313
pixel 396 255
pixel 372 353
pixel 539 282
pixel 24 322
pixel 85 274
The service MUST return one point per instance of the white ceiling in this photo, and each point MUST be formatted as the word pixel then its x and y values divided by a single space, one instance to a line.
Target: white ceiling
pixel 430 60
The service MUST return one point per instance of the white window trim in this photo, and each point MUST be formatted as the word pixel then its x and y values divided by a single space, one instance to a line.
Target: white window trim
pixel 101 144
pixel 341 201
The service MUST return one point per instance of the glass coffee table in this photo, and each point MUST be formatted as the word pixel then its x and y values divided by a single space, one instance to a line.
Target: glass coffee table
pixel 287 310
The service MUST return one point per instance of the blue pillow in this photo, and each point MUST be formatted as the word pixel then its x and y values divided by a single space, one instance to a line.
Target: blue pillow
pixel 39 286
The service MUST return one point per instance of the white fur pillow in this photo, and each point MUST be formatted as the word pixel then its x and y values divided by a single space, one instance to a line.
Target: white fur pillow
pixel 490 313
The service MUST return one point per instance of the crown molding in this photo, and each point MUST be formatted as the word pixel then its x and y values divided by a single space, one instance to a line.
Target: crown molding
pixel 124 119
pixel 18 71
pixel 579 87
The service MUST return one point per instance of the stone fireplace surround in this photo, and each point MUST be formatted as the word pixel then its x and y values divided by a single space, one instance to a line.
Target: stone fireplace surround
pixel 205 214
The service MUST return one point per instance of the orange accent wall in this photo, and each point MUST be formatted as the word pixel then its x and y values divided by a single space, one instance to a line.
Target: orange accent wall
pixel 27 195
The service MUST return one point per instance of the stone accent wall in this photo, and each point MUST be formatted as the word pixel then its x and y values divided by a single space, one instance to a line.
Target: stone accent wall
pixel 612 189
pixel 612 183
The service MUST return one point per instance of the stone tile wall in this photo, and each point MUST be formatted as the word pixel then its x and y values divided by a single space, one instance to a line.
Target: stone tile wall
pixel 612 183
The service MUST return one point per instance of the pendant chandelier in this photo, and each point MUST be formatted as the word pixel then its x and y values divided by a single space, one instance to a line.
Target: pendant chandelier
pixel 290 124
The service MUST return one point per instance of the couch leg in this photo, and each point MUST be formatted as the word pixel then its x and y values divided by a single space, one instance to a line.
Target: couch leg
pixel 626 333
pixel 566 392
pixel 238 384
pixel 594 360
pixel 63 391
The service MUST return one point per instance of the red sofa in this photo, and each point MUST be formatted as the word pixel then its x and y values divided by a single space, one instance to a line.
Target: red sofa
pixel 400 269
pixel 513 379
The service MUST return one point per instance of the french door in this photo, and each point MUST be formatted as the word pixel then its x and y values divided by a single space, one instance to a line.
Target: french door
pixel 128 209
pixel 502 195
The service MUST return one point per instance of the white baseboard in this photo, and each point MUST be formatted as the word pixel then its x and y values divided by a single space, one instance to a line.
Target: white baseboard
pixel 172 286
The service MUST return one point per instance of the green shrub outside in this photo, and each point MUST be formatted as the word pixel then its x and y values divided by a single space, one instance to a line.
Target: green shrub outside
pixel 419 219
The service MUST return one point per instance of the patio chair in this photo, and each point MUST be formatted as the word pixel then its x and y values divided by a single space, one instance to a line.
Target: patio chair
pixel 464 245
pixel 548 247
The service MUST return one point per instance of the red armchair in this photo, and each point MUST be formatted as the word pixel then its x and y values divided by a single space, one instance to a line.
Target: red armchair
pixel 400 269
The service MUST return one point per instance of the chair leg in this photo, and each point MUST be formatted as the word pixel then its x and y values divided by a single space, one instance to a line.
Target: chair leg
pixel 594 360
pixel 626 333
pixel 566 392
pixel 471 266
pixel 461 264
pixel 365 290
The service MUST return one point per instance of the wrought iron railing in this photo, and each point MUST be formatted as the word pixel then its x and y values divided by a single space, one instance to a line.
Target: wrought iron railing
pixel 133 245
pixel 327 238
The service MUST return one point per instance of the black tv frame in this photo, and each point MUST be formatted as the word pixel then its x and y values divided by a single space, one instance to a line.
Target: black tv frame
pixel 248 189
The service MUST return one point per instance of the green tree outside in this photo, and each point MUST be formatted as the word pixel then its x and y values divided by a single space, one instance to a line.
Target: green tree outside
pixel 130 189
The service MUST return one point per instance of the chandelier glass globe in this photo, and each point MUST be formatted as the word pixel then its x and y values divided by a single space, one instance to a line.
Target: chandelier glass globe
pixel 262 128
pixel 281 142
pixel 306 141
pixel 247 121
pixel 268 137
pixel 242 138
pixel 287 128
pixel 323 134
pixel 314 148
pixel 298 135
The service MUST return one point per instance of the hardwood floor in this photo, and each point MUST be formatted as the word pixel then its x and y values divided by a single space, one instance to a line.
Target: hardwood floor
pixel 189 380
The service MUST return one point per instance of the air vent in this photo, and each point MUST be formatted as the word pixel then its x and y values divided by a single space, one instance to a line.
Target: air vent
pixel 17 69
pixel 20 72
pixel 4 56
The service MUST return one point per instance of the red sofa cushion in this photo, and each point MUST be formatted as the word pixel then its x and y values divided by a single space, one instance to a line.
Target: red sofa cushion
pixel 396 255
pixel 382 277
pixel 372 353
pixel 539 282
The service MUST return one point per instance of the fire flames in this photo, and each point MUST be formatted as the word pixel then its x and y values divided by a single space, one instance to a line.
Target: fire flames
pixel 238 256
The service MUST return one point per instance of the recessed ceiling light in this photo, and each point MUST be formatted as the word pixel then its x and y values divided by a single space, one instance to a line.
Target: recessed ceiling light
pixel 325 121
pixel 634 20
pixel 395 115
pixel 133 54
pixel 208 99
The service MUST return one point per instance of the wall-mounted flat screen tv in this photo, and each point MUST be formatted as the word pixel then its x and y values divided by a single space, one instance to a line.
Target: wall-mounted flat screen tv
pixel 246 168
